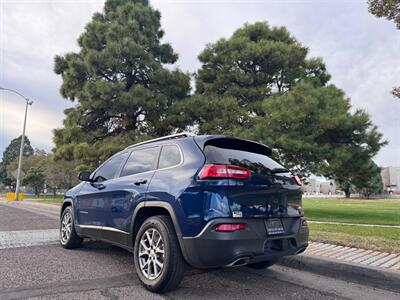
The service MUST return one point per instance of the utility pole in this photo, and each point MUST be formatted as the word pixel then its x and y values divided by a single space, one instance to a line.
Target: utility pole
pixel 21 149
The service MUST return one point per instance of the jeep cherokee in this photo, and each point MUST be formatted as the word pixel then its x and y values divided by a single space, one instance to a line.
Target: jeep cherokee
pixel 209 201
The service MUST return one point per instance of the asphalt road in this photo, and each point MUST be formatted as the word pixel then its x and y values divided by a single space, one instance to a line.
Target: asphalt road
pixel 12 218
pixel 100 271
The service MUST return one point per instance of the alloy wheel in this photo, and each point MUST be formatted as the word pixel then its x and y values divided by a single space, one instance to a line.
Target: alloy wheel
pixel 66 227
pixel 151 254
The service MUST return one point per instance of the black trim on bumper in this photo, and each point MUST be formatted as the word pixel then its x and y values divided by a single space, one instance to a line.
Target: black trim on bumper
pixel 212 249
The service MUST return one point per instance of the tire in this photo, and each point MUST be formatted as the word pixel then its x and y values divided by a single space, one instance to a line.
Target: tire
pixel 68 237
pixel 263 264
pixel 158 235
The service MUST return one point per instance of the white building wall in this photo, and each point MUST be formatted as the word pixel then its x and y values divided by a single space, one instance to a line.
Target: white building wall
pixel 394 178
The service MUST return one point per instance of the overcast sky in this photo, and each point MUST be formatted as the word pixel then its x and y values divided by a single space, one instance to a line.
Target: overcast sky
pixel 362 53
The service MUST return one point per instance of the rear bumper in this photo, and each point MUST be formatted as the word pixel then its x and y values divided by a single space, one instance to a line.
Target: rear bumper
pixel 212 249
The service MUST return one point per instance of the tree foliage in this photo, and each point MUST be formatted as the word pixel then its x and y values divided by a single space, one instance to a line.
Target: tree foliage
pixel 3 174
pixel 396 92
pixel 10 154
pixel 389 9
pixel 41 167
pixel 36 160
pixel 119 81
pixel 60 174
pixel 256 63
pixel 369 179
pixel 209 114
pixel 260 84
pixel 33 170
pixel 35 179
pixel 366 181
pixel 313 131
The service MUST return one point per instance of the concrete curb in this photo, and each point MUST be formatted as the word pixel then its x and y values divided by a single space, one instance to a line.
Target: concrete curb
pixel 361 274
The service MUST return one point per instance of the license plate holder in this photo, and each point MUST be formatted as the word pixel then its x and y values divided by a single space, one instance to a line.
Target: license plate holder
pixel 274 226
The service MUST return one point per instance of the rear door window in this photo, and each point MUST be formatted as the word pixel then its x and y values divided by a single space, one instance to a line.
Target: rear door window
pixel 258 163
pixel 142 160
pixel 170 156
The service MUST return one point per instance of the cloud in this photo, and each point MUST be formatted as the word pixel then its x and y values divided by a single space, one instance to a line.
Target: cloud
pixel 38 121
pixel 360 50
pixel 31 34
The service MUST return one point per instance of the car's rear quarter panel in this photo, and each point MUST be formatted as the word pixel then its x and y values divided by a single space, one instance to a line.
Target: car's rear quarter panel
pixel 174 186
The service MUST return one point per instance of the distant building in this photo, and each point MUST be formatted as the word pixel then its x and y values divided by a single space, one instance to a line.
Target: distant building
pixel 391 179
pixel 316 187
pixel 328 187
pixel 312 186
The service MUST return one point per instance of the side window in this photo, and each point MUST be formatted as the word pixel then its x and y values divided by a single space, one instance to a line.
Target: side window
pixel 140 161
pixel 170 156
pixel 108 170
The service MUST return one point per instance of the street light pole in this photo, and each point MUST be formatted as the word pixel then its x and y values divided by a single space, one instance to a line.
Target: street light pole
pixel 21 149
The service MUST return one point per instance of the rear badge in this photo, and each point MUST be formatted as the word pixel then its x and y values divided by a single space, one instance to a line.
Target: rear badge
pixel 237 214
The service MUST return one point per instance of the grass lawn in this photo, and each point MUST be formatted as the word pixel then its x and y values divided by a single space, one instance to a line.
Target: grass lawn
pixel 372 238
pixel 48 199
pixel 382 212
pixel 51 201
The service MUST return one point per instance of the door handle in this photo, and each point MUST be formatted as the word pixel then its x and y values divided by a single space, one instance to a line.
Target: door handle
pixel 140 181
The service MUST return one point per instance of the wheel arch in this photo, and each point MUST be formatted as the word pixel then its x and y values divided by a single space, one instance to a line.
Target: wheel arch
pixel 67 202
pixel 147 209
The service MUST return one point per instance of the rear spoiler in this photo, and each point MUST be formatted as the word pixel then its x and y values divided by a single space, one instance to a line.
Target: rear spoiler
pixel 232 143
pixel 279 170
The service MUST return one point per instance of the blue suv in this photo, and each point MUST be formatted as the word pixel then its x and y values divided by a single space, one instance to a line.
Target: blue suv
pixel 209 201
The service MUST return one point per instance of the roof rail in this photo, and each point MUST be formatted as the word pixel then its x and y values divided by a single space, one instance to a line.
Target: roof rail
pixel 167 137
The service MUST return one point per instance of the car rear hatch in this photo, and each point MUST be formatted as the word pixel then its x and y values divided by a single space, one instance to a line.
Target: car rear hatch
pixel 259 187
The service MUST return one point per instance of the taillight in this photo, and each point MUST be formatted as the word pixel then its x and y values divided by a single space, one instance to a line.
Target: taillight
pixel 224 171
pixel 297 180
pixel 230 227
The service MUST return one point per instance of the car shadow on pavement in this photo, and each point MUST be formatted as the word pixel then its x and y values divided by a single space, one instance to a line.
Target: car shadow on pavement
pixel 222 283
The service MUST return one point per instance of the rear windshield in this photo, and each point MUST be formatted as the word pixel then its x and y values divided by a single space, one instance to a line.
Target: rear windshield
pixel 258 163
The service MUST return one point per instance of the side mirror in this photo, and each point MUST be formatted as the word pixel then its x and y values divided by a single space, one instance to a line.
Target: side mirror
pixel 84 176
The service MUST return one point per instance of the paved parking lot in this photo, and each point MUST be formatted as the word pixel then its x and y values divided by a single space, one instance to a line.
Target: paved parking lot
pixel 14 218
pixel 99 271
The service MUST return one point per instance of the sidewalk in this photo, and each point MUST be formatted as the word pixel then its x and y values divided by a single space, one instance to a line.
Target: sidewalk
pixel 354 255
